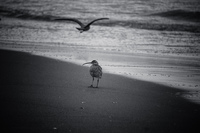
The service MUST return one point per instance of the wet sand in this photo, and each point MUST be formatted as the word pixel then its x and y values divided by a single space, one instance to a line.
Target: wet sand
pixel 39 94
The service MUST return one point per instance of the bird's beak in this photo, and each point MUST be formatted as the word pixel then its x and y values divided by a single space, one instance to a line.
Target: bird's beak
pixel 87 63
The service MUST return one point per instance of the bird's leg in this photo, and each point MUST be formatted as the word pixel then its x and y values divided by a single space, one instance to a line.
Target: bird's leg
pixel 92 82
pixel 97 83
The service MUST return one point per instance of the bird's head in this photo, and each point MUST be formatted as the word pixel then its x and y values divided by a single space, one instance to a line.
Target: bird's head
pixel 94 62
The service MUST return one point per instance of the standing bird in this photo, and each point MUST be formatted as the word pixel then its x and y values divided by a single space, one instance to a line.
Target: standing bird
pixel 83 27
pixel 95 71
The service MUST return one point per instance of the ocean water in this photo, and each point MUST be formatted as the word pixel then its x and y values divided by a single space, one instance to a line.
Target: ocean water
pixel 152 40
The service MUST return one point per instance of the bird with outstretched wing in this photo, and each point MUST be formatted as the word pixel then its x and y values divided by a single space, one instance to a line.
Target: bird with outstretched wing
pixel 83 27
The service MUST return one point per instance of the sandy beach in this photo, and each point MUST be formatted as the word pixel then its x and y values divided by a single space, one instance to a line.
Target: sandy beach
pixel 39 94
pixel 149 52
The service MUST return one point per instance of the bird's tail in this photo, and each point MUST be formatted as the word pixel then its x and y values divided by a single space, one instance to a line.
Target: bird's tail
pixel 81 30
pixel 78 28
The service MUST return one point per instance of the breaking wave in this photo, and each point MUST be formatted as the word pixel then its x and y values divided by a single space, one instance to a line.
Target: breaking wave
pixel 176 14
pixel 193 16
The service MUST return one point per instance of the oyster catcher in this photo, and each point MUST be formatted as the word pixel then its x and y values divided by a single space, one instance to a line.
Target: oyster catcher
pixel 83 27
pixel 95 71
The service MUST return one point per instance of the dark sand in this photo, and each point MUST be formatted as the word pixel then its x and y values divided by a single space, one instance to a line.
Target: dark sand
pixel 42 95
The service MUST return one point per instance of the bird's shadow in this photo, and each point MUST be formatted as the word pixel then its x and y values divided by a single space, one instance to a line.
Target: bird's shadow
pixel 101 88
pixel 93 87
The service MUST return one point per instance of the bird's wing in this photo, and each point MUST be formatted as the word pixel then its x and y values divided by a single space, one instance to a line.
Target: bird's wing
pixel 95 21
pixel 100 70
pixel 72 19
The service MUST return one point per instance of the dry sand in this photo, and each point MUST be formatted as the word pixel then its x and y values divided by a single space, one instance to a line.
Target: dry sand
pixel 39 94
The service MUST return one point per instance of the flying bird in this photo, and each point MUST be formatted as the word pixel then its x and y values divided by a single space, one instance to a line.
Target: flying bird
pixel 95 71
pixel 83 27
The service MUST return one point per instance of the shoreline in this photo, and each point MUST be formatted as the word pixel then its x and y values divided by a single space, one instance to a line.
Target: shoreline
pixel 144 67
pixel 181 77
pixel 144 57
pixel 40 94
pixel 174 63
